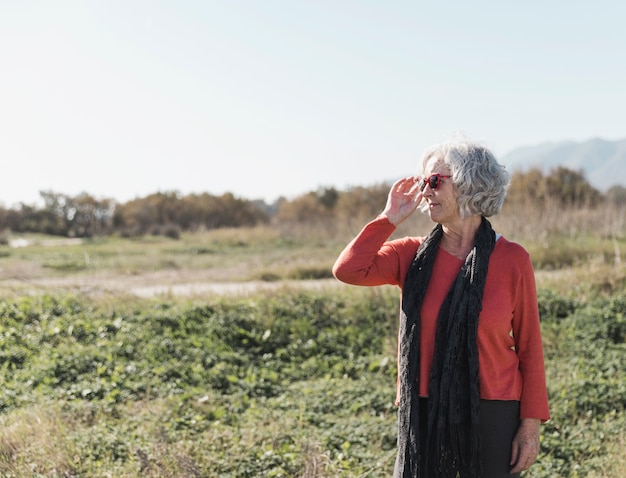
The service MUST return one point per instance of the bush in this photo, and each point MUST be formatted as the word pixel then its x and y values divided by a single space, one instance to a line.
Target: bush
pixel 553 306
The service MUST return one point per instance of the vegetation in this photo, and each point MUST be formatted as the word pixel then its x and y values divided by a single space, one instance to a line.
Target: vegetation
pixel 285 382
pixel 293 384
pixel 170 213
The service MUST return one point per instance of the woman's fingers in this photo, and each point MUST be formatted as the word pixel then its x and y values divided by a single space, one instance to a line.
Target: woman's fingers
pixel 408 185
pixel 403 199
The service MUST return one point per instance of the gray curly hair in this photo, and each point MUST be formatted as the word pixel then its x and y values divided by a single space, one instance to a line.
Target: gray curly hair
pixel 480 182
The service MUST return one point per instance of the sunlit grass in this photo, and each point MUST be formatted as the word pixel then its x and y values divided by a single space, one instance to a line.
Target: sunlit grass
pixel 283 380
pixel 580 256
pixel 223 255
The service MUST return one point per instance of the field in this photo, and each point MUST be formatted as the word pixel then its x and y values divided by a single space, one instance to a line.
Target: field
pixel 233 353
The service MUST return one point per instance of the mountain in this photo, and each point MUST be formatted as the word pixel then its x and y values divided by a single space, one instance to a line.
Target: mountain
pixel 602 162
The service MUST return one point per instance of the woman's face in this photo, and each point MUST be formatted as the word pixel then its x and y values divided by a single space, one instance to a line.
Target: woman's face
pixel 443 207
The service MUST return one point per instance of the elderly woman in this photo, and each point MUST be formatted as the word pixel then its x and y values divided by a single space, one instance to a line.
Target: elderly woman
pixel 471 379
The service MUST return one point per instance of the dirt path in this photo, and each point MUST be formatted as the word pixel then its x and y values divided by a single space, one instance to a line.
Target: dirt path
pixel 229 288
pixel 163 283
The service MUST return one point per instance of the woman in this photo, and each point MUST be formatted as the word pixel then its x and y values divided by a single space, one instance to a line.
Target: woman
pixel 471 380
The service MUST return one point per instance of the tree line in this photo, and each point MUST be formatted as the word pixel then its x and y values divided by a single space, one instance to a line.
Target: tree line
pixel 171 213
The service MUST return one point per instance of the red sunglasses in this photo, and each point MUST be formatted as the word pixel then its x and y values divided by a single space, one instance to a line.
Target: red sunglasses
pixel 433 181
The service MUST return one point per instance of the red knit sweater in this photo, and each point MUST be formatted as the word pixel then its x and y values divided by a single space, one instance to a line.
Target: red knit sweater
pixel 511 365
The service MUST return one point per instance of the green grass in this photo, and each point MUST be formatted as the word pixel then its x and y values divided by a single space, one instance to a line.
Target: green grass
pixel 163 386
pixel 297 384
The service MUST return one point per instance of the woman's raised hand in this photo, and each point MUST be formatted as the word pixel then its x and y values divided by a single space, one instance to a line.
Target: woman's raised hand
pixel 403 199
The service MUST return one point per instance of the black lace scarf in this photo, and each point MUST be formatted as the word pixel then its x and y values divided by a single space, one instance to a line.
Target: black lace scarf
pixel 453 446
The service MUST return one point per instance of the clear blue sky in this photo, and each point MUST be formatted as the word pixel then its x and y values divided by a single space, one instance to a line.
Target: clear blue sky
pixel 266 98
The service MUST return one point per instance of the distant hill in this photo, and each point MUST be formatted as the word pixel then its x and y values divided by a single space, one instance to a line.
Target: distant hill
pixel 602 162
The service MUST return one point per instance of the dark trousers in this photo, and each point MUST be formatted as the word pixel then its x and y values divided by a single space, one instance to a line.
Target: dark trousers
pixel 499 421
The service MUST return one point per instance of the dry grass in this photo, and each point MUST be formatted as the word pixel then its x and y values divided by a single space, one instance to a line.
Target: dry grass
pixel 45 441
pixel 117 265
pixel 615 466
pixel 30 440
pixel 577 251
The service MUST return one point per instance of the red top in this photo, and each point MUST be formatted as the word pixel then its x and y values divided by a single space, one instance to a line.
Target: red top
pixel 511 365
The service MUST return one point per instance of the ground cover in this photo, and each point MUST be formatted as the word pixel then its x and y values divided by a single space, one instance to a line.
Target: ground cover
pixel 289 384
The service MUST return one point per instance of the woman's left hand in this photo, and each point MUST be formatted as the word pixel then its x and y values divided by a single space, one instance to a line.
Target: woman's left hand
pixel 525 446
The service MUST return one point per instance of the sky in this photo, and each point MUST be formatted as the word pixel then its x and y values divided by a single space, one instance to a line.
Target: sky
pixel 266 99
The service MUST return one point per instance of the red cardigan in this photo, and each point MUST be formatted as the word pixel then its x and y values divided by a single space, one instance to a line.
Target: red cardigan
pixel 511 365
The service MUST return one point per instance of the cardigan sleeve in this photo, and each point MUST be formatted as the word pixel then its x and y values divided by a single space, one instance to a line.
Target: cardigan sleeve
pixel 371 260
pixel 529 347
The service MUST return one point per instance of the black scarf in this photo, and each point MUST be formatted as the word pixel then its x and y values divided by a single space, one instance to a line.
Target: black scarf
pixel 453 445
